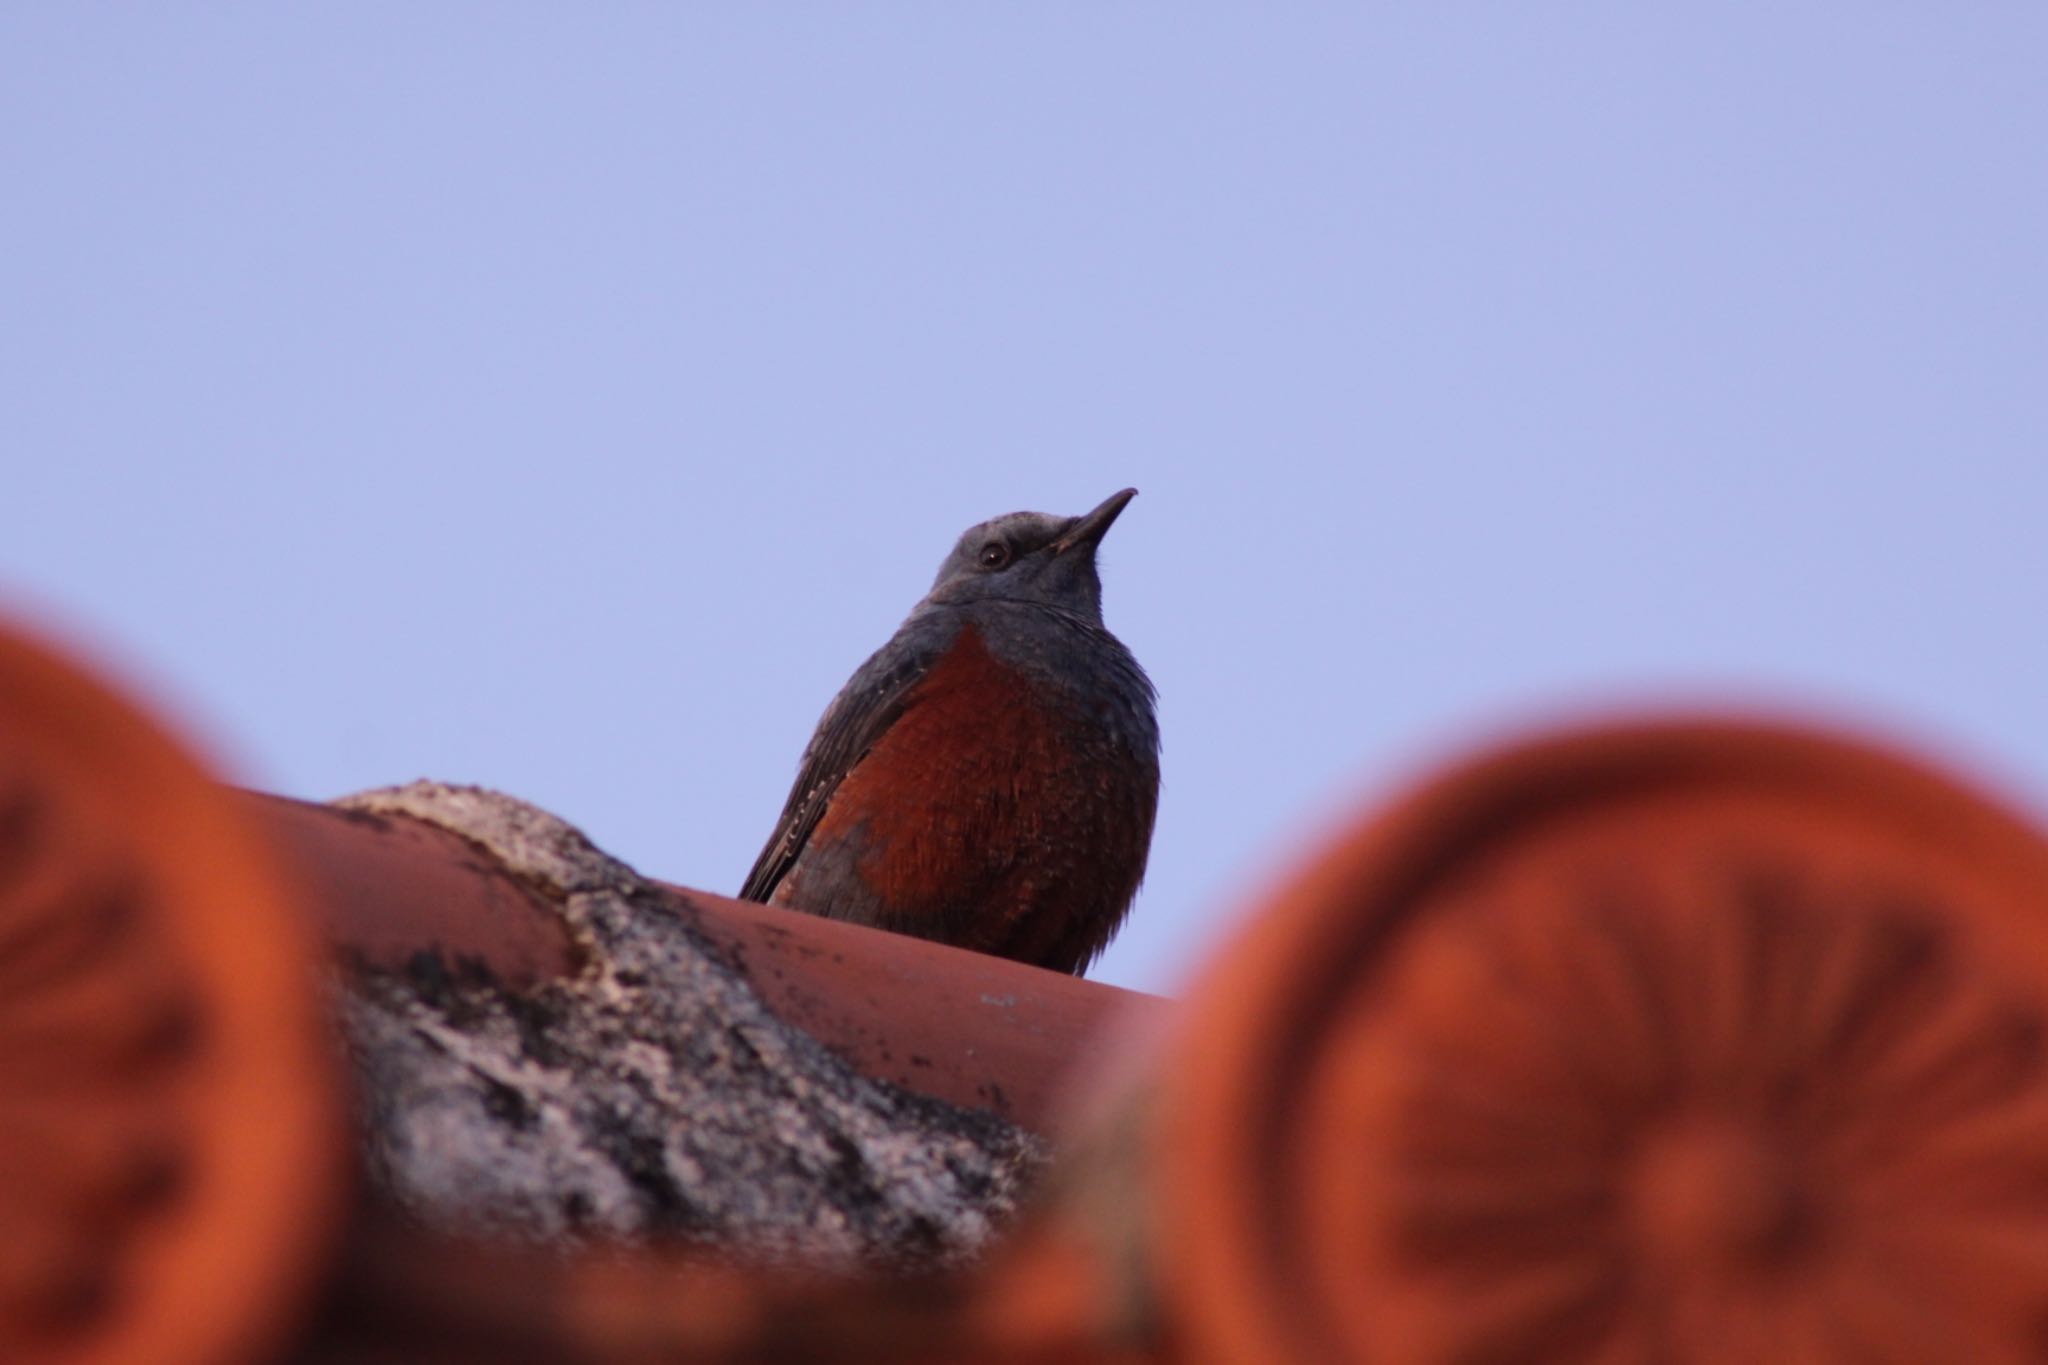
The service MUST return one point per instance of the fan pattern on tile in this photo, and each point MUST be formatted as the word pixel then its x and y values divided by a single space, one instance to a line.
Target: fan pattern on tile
pixel 1794 1120
pixel 97 1035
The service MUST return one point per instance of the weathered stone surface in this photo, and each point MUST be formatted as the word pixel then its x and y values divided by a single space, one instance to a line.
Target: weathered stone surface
pixel 653 1095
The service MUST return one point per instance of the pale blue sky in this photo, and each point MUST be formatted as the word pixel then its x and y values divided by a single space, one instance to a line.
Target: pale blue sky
pixel 567 398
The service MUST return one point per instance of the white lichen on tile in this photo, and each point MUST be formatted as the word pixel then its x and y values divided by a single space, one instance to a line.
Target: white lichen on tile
pixel 651 1096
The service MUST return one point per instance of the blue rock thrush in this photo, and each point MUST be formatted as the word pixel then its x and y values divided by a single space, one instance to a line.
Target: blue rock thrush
pixel 988 779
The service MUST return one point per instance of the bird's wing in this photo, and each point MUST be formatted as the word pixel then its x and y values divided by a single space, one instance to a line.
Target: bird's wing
pixel 872 701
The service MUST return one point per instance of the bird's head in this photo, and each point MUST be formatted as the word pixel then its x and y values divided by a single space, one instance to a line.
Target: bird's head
pixel 1031 557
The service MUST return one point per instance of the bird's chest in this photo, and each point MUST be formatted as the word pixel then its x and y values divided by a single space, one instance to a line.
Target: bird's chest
pixel 982 739
pixel 992 782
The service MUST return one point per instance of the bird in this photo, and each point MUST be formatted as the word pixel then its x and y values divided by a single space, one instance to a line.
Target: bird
pixel 989 778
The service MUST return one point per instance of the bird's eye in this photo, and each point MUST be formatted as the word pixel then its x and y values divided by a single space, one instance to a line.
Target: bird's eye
pixel 994 555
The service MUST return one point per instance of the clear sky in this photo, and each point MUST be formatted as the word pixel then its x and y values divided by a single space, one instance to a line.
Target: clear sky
pixel 566 398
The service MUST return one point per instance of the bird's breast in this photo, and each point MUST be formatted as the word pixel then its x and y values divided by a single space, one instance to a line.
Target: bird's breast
pixel 995 798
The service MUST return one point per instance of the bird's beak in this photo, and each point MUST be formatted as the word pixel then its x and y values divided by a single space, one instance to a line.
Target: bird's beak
pixel 1089 530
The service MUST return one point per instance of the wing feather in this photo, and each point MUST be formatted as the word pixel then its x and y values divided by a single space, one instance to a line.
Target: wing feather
pixel 872 700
